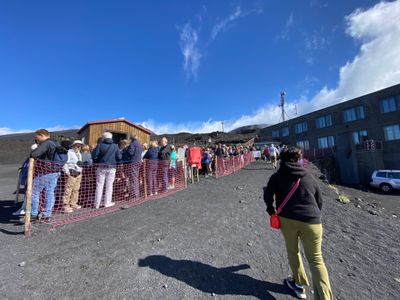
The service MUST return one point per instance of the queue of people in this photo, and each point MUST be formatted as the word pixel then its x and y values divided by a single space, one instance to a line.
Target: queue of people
pixel 117 170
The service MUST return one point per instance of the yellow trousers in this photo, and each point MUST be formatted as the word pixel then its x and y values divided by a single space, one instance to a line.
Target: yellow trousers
pixel 311 237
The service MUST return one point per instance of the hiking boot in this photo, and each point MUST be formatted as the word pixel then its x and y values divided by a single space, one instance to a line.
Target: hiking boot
pixel 299 290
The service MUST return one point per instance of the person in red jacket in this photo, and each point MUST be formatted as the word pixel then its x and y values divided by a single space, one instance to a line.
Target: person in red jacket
pixel 266 153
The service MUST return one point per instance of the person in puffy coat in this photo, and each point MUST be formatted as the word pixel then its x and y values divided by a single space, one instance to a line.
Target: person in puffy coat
pixel 107 155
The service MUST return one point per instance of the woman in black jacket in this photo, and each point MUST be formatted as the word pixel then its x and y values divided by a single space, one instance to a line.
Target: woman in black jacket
pixel 300 219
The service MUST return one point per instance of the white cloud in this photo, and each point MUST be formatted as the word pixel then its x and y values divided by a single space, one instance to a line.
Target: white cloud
pixel 189 40
pixel 285 31
pixel 221 25
pixel 376 66
pixel 6 130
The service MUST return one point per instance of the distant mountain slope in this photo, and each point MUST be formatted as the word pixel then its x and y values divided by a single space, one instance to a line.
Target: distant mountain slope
pixel 29 136
pixel 15 148
pixel 248 129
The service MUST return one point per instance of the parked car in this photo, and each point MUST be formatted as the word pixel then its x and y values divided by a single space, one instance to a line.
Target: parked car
pixel 386 180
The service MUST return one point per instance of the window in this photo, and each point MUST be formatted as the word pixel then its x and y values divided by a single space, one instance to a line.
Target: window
pixel 285 131
pixel 301 127
pixel 354 113
pixel 392 132
pixel 390 104
pixel 359 136
pixel 381 174
pixel 326 142
pixel 395 175
pixel 324 121
pixel 305 145
pixel 275 132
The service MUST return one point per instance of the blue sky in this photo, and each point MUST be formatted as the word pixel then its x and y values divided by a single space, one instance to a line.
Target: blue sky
pixel 188 65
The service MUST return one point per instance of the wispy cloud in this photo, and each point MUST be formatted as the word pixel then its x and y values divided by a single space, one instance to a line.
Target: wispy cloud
pixel 6 130
pixel 189 40
pixel 286 29
pixel 221 25
pixel 376 66
pixel 313 42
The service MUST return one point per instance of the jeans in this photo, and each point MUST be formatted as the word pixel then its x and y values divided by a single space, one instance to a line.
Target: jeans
pixel 46 182
pixel 164 165
pixel 152 175
pixel 106 174
pixel 135 180
pixel 311 236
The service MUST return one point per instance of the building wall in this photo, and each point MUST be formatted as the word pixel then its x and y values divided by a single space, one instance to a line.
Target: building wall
pixel 353 169
pixel 94 131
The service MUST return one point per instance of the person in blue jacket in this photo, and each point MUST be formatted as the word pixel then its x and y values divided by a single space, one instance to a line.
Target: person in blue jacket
pixel 135 155
pixel 106 155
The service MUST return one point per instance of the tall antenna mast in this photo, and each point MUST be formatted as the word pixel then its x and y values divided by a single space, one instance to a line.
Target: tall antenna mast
pixel 282 105
pixel 222 123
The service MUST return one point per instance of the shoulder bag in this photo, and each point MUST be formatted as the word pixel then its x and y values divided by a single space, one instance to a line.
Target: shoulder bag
pixel 274 220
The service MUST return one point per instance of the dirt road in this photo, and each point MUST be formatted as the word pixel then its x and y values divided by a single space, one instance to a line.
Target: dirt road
pixel 211 241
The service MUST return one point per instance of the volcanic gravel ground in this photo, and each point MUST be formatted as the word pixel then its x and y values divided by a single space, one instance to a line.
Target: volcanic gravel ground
pixel 210 241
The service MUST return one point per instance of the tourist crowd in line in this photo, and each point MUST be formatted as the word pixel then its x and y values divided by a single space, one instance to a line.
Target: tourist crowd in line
pixel 71 158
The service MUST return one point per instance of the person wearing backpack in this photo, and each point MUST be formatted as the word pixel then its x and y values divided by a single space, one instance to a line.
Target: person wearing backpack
pixel 107 155
pixel 49 156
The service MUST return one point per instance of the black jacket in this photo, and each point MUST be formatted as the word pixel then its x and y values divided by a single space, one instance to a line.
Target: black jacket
pixel 305 204
pixel 164 153
pixel 45 151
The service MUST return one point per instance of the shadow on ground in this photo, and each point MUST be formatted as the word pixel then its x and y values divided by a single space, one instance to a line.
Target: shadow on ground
pixel 209 279
pixel 7 207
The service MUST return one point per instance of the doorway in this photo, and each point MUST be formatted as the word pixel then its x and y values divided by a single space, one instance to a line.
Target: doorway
pixel 118 136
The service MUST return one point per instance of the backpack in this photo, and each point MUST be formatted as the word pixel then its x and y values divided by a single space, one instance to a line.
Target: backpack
pixel 60 154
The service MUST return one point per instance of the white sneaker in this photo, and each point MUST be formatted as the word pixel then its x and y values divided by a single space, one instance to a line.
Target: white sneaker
pixel 109 204
pixel 299 290
pixel 19 212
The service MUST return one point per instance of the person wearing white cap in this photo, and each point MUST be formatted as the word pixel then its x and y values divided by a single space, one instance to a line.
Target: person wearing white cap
pixel 74 177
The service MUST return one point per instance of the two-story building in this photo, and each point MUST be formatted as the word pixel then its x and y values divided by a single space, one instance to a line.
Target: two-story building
pixel 362 134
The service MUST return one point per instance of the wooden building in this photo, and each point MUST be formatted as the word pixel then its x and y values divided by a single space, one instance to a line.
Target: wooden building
pixel 120 129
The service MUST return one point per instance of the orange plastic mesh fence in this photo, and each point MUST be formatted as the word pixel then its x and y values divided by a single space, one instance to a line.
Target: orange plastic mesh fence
pixel 227 166
pixel 60 198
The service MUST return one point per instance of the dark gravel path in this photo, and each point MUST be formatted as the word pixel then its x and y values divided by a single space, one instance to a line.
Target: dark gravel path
pixel 211 241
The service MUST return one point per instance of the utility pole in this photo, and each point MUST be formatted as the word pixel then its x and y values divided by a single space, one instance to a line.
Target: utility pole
pixel 282 105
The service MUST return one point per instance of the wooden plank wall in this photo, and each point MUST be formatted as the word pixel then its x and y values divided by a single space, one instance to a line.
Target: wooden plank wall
pixel 93 132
